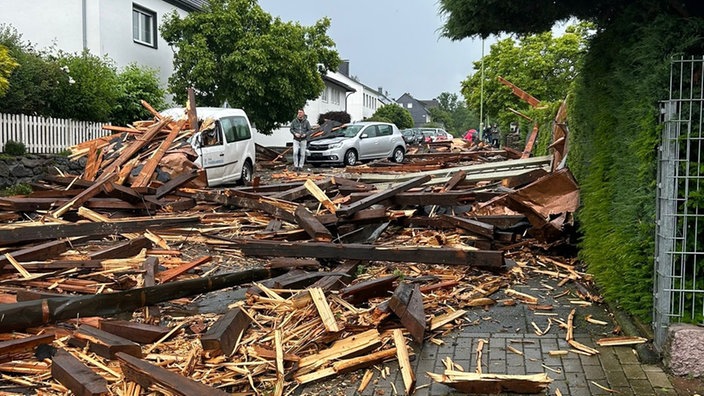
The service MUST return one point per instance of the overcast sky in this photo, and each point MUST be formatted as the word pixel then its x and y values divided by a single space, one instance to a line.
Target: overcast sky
pixel 394 44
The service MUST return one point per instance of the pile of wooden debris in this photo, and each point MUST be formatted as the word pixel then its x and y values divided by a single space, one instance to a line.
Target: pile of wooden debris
pixel 363 265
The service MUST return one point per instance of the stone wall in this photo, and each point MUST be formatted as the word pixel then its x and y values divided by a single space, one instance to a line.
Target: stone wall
pixel 32 167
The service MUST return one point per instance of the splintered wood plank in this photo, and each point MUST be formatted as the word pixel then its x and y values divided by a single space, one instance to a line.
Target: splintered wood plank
pixel 24 344
pixel 83 197
pixel 170 274
pixel 492 383
pixel 145 175
pixel 615 341
pixel 174 183
pixel 404 362
pixel 320 195
pixel 363 291
pixel 301 191
pixel 356 251
pixel 103 343
pixel 142 333
pixel 312 225
pixel 38 252
pixel 353 364
pixel 407 304
pixel 456 179
pixel 441 320
pixel 150 266
pixel 473 226
pixel 95 157
pixel 35 232
pixel 135 146
pixel 345 347
pixel 280 374
pixel 191 110
pixel 321 304
pixel 223 334
pixel 76 376
pixel 97 217
pixel 124 249
pixel 146 374
pixel 351 209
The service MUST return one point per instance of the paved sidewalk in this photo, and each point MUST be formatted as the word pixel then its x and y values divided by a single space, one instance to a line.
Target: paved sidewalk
pixel 615 368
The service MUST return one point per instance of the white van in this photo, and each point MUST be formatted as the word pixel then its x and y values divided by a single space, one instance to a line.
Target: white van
pixel 224 145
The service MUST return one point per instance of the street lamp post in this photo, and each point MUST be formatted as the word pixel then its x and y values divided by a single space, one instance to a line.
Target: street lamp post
pixel 481 98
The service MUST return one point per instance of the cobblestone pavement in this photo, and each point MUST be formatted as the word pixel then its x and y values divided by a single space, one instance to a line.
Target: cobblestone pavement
pixel 614 368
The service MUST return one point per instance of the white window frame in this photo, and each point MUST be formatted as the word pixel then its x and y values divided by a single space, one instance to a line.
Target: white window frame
pixel 324 96
pixel 139 16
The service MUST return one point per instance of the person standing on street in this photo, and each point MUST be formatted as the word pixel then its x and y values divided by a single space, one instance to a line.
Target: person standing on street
pixel 300 129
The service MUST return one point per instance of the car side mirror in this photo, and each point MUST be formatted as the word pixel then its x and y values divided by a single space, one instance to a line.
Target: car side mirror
pixel 363 136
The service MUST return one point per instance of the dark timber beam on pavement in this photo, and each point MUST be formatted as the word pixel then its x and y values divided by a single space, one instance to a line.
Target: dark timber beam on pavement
pixel 354 251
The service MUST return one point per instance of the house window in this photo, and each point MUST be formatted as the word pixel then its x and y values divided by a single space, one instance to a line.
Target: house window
pixel 325 94
pixel 410 105
pixel 336 96
pixel 143 26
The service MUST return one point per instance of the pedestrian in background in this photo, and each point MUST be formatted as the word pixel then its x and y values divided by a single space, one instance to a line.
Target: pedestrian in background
pixel 300 129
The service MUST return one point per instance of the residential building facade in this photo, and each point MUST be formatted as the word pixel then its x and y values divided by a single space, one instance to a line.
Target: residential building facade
pixel 419 109
pixel 126 31
pixel 341 93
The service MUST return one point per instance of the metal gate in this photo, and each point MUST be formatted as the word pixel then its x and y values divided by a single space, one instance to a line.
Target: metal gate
pixel 679 243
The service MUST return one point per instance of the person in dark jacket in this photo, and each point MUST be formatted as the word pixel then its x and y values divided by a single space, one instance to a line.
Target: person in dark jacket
pixel 300 129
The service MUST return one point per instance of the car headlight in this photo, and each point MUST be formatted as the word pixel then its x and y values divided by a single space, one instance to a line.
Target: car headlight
pixel 335 145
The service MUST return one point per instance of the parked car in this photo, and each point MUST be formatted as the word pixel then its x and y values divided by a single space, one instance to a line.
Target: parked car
pixel 412 136
pixel 435 135
pixel 356 142
pixel 225 147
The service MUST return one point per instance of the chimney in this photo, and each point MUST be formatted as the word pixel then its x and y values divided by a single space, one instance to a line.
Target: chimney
pixel 344 67
pixel 381 90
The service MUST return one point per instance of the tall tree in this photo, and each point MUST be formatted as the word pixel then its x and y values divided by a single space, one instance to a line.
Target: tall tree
pixel 468 18
pixel 235 52
pixel 453 113
pixel 393 113
pixel 540 64
pixel 7 65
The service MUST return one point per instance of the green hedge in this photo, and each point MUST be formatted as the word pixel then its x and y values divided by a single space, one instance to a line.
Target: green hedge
pixel 613 120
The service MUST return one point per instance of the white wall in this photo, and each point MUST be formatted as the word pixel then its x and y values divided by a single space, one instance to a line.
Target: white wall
pixel 108 29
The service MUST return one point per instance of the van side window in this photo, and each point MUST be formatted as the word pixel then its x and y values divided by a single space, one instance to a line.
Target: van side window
pixel 384 130
pixel 235 128
pixel 212 136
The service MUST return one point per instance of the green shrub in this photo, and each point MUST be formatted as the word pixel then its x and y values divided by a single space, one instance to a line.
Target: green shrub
pixel 17 189
pixel 14 148
pixel 136 83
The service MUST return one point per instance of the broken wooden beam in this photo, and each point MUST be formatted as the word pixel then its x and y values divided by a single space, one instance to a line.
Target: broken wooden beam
pixel 76 376
pixel 171 274
pixel 372 288
pixel 23 232
pixel 351 209
pixel 124 249
pixel 103 343
pixel 476 383
pixel 225 332
pixel 24 344
pixel 26 314
pixel 142 333
pixel 312 225
pixel 404 362
pixel 354 251
pixel 407 304
pixel 326 315
pixel 475 227
pixel 146 374
pixel 275 207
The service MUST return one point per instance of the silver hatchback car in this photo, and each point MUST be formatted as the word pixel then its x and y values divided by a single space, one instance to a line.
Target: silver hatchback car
pixel 356 142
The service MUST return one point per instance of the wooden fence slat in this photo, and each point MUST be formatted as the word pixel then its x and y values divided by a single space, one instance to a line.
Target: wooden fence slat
pixel 44 135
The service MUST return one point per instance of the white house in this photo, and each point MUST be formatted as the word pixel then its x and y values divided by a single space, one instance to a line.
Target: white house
pixel 126 31
pixel 341 93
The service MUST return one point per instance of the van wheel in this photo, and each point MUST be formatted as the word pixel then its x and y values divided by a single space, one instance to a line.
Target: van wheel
pixel 398 155
pixel 247 174
pixel 350 158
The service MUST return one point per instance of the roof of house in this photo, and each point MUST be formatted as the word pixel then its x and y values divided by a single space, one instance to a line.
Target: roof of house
pixel 340 84
pixel 189 5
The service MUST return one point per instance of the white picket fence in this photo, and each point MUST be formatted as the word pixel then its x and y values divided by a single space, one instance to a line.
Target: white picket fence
pixel 43 135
